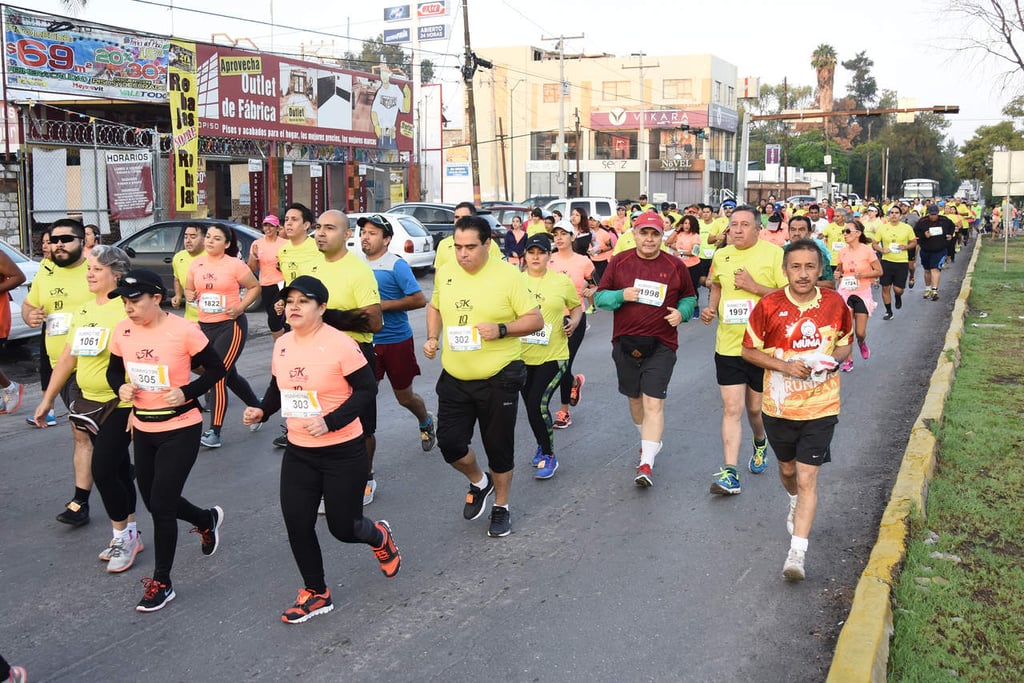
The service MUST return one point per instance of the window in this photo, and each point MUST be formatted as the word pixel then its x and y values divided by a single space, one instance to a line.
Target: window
pixel 677 89
pixel 617 145
pixel 730 96
pixel 544 145
pixel 716 92
pixel 614 90
pixel 551 91
pixel 161 239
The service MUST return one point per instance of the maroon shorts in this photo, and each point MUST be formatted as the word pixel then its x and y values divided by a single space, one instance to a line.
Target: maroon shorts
pixel 398 360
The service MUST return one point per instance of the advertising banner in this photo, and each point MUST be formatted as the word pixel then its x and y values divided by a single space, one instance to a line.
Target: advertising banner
pixel 44 52
pixel 396 13
pixel 653 118
pixel 257 198
pixel 393 36
pixel 182 95
pixel 437 8
pixel 435 32
pixel 317 196
pixel 129 184
pixel 250 95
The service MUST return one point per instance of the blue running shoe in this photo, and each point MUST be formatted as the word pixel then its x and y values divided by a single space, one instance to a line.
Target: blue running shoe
pixel 538 457
pixel 546 468
pixel 726 482
pixel 759 458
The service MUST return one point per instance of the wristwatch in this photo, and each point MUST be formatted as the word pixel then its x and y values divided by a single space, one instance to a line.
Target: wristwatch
pixel 502 331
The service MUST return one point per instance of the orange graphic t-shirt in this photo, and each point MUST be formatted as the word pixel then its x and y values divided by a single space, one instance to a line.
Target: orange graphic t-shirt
pixel 216 283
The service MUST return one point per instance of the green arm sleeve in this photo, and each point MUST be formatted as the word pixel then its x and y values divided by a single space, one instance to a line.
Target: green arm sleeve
pixel 609 299
pixel 686 307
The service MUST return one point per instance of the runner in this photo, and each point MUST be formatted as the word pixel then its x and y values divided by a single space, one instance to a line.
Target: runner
pixel 95 408
pixel 601 246
pixel 321 382
pixel 515 241
pixel 741 273
pixel 194 245
pixel 263 261
pixel 896 240
pixel 933 233
pixel 92 238
pixel 834 237
pixel 11 278
pixel 858 267
pixel 58 289
pixel 298 254
pixel 445 252
pixel 480 306
pixel 546 352
pixel 167 425
pixel 651 294
pixel 687 246
pixel 799 335
pixel 213 283
pixel 800 228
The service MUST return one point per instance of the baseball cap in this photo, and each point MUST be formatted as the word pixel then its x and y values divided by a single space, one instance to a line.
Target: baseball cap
pixel 272 219
pixel 564 225
pixel 729 204
pixel 540 240
pixel 649 220
pixel 308 286
pixel 933 210
pixel 135 283
pixel 378 220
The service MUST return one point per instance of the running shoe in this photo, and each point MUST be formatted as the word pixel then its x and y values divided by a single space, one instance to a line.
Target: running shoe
pixel 501 522
pixel 51 420
pixel 538 457
pixel 726 482
pixel 387 553
pixel 847 365
pixel 643 477
pixel 10 398
pixel 546 469
pixel 887 316
pixel 256 426
pixel 935 295
pixel 371 488
pixel 475 500
pixel 211 537
pixel 428 433
pixel 865 352
pixel 793 569
pixel 759 458
pixel 910 284
pixel 157 595
pixel 791 517
pixel 307 606
pixel 105 553
pixel 928 293
pixel 282 440
pixel 18 675
pixel 210 439
pixel 76 513
pixel 562 419
pixel 122 554
pixel 899 301
pixel 577 389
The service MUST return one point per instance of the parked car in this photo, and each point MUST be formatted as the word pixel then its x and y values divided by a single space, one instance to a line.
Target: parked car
pixel 601 208
pixel 154 246
pixel 411 240
pixel 20 332
pixel 504 214
pixel 799 199
pixel 538 200
pixel 439 219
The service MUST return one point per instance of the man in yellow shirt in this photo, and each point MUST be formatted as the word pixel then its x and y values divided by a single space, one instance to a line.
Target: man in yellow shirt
pixel 479 308
pixel 445 252
pixel 193 243
pixel 299 253
pixel 894 240
pixel 833 235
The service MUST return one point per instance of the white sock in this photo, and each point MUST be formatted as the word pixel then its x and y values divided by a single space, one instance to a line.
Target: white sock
pixel 792 501
pixel 501 506
pixel 797 543
pixel 648 451
pixel 122 535
pixel 11 385
pixel 482 483
pixel 133 529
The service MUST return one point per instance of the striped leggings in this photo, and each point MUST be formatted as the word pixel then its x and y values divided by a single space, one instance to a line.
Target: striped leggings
pixel 228 340
pixel 541 382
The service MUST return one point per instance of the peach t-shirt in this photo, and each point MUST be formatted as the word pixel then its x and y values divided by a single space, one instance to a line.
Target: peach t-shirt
pixel 216 283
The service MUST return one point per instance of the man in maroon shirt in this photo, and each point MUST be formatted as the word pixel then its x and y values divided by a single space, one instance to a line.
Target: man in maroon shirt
pixel 651 293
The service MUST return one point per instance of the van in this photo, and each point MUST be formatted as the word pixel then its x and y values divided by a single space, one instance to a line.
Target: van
pixel 602 208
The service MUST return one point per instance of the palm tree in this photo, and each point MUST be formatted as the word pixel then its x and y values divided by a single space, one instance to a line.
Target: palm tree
pixel 823 59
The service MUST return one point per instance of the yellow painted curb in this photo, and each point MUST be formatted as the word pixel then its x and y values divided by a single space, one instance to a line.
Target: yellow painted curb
pixel 862 650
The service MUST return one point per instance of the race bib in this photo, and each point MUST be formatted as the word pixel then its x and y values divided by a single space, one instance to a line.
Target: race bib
pixel 710 252
pixel 58 324
pixel 299 403
pixel 211 303
pixel 895 249
pixel 737 311
pixel 936 231
pixel 463 338
pixel 649 292
pixel 836 246
pixel 849 282
pixel 541 336
pixel 148 377
pixel 89 341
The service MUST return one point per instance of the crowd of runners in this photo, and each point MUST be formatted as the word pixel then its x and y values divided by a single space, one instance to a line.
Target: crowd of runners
pixel 790 290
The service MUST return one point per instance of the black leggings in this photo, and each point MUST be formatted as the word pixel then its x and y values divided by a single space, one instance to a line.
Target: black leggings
pixel 269 295
pixel 338 475
pixel 541 382
pixel 574 345
pixel 163 461
pixel 228 340
pixel 112 465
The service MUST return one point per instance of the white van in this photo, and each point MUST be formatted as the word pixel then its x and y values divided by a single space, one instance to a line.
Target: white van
pixel 601 208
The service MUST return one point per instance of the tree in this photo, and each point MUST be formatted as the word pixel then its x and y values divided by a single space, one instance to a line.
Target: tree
pixel 376 53
pixel 823 59
pixel 1001 34
pixel 975 160
pixel 774 99
pixel 862 88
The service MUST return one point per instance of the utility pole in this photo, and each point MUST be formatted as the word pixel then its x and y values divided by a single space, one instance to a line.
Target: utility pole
pixel 579 149
pixel 642 136
pixel 867 162
pixel 468 69
pixel 785 143
pixel 563 91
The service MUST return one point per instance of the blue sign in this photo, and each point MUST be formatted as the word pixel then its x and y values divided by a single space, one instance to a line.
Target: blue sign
pixel 457 170
pixel 396 13
pixel 396 35
pixel 436 32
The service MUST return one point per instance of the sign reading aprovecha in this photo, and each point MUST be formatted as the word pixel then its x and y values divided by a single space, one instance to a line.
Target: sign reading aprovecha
pixel 85 59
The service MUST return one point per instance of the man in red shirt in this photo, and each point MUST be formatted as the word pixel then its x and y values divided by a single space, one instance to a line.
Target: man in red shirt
pixel 651 293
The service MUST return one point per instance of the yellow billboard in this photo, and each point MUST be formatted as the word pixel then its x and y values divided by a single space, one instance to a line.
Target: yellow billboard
pixel 181 93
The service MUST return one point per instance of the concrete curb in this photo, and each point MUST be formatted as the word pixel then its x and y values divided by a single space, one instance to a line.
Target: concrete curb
pixel 862 650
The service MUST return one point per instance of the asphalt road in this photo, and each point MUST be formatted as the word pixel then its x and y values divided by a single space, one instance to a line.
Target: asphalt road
pixel 599 581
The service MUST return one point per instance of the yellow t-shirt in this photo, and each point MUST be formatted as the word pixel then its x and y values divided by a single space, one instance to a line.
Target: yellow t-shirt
pixel 351 284
pixel 182 260
pixel 446 252
pixel 628 241
pixel 535 228
pixel 834 239
pixel 554 293
pixel 890 234
pixel 764 263
pixel 496 293
pixel 298 260
pixel 59 291
pixel 89 340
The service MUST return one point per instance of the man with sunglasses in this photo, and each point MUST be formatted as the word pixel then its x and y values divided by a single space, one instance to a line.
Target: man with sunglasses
pixel 59 288
pixel 894 240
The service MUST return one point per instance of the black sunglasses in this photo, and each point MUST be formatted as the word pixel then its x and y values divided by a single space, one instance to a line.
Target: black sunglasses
pixel 63 239
pixel 848 231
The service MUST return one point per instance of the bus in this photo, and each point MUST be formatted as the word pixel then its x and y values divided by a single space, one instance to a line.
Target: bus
pixel 920 188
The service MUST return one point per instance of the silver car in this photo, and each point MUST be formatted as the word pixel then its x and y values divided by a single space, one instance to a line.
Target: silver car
pixel 20 332
pixel 411 241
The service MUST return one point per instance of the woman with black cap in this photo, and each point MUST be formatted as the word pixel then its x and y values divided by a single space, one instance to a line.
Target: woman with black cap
pixel 321 382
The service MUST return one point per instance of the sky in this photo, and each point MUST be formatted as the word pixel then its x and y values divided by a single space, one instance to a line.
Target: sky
pixel 914 44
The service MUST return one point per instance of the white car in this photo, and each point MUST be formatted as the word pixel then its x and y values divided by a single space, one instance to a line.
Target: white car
pixel 20 332
pixel 411 240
